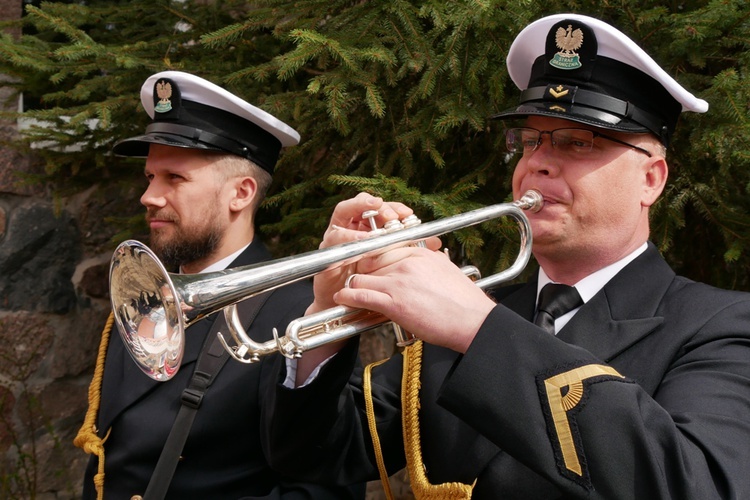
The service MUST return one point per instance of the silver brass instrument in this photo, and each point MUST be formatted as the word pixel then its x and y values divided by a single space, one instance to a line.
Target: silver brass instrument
pixel 152 307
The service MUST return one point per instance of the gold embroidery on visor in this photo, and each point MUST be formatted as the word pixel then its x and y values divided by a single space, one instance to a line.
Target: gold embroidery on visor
pixel 560 405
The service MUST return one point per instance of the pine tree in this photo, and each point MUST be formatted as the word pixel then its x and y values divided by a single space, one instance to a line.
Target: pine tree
pixel 392 97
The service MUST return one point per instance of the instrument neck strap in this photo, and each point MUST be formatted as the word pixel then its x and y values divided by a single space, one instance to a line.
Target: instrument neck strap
pixel 410 385
pixel 211 360
pixel 87 439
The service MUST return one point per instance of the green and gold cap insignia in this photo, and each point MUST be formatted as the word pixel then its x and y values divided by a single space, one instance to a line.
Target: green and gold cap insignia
pixel 568 40
pixel 164 92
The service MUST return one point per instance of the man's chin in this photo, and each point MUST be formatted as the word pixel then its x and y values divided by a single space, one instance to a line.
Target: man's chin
pixel 160 238
pixel 544 237
pixel 161 248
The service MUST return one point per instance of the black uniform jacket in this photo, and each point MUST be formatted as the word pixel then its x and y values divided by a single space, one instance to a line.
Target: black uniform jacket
pixel 644 394
pixel 222 458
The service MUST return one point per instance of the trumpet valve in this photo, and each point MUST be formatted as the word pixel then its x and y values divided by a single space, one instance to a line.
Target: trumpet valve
pixel 411 221
pixel 369 216
pixel 392 226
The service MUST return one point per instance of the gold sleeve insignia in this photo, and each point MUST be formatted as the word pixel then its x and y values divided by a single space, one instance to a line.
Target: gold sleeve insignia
pixel 563 393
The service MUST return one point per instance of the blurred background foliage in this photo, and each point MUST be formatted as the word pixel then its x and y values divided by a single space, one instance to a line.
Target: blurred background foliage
pixel 389 96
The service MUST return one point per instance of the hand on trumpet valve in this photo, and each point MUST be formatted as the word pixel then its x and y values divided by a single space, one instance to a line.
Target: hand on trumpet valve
pixel 357 218
pixel 421 290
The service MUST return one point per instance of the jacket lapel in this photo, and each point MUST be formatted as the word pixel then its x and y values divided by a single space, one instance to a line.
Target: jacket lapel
pixel 623 312
pixel 520 299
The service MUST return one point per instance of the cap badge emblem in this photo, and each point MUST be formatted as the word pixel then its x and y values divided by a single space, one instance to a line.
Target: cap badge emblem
pixel 164 91
pixel 558 92
pixel 568 41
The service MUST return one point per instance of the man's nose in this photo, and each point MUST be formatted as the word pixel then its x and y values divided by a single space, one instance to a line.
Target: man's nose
pixel 153 196
pixel 543 160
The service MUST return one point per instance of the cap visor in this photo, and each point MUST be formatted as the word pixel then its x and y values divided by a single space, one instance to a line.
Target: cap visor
pixel 138 146
pixel 574 113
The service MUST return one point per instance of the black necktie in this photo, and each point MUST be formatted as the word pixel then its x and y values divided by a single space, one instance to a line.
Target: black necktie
pixel 554 301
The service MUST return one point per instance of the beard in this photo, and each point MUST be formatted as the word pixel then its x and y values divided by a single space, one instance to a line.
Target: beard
pixel 186 244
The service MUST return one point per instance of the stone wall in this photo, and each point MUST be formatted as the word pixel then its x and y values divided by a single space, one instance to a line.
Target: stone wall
pixel 53 303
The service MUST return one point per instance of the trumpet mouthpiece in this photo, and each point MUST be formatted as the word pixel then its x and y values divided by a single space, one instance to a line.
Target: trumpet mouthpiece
pixel 532 201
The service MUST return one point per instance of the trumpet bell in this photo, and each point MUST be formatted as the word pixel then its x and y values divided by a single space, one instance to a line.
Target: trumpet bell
pixel 146 310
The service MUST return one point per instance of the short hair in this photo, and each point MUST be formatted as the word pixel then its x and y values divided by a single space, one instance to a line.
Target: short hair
pixel 229 166
pixel 658 147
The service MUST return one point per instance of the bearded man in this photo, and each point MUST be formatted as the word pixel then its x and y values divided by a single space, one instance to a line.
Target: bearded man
pixel 209 160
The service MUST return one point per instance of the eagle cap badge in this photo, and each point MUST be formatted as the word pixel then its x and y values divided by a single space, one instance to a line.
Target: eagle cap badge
pixel 164 91
pixel 568 41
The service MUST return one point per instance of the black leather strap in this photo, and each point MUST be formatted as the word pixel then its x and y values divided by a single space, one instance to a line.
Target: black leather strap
pixel 575 95
pixel 195 134
pixel 212 358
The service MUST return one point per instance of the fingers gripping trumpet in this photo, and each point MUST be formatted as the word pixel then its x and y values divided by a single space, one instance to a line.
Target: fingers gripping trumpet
pixel 152 307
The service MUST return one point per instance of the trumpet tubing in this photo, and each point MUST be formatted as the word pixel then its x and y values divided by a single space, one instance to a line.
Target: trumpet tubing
pixel 152 307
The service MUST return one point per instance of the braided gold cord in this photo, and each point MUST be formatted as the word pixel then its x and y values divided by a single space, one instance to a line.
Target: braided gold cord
pixel 87 438
pixel 370 410
pixel 421 486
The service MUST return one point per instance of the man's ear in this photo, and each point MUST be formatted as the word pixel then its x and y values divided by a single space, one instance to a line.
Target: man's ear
pixel 245 191
pixel 655 178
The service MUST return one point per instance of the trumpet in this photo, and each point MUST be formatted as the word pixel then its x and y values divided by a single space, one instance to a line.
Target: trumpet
pixel 152 307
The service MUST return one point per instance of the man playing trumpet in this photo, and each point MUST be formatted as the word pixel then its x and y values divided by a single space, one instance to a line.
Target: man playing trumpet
pixel 605 376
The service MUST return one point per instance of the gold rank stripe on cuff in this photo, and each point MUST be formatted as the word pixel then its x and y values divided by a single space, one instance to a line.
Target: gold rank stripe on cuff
pixel 559 404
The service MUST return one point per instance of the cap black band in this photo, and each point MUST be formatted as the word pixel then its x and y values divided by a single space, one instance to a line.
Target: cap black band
pixel 230 146
pixel 575 95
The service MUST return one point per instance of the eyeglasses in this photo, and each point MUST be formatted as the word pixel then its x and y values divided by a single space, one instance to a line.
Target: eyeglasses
pixel 566 140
